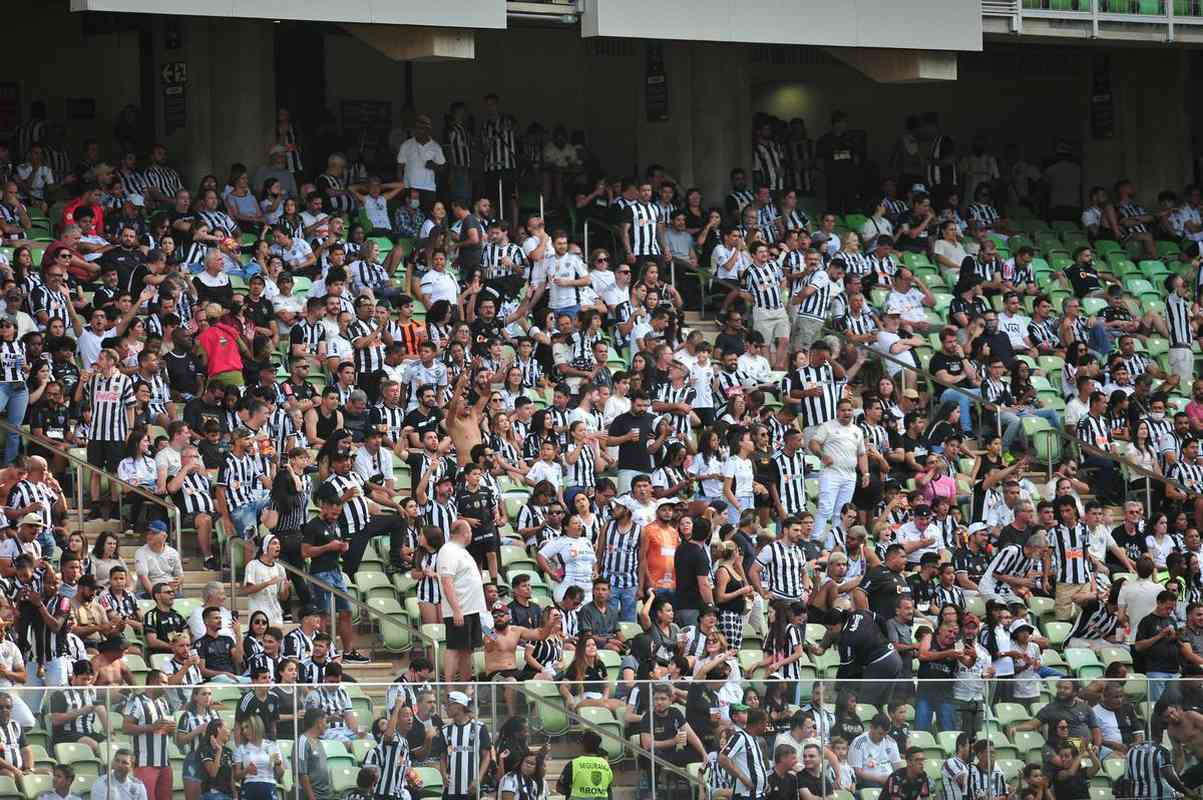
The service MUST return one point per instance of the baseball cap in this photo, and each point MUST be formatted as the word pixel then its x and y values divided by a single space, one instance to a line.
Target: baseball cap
pixel 459 698
pixel 500 606
pixel 921 511
pixel 311 611
pixel 1020 624
pixel 157 526
pixel 737 707
pixel 978 526
pixel 31 519
pixel 910 394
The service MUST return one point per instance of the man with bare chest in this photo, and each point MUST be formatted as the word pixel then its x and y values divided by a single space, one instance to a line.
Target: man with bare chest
pixel 1186 734
pixel 501 649
pixel 463 420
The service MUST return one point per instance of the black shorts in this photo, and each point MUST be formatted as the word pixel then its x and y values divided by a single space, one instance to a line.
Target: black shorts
pixel 189 520
pixel 481 548
pixel 464 637
pixel 106 455
pixel 70 737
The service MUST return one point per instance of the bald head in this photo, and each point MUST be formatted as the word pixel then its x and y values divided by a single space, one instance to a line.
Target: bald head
pixel 37 465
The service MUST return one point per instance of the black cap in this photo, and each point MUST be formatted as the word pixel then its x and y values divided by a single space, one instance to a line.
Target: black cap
pixel 311 611
pixel 326 493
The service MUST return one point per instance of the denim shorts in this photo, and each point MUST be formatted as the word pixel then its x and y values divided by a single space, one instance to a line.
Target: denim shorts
pixel 321 597
pixel 246 517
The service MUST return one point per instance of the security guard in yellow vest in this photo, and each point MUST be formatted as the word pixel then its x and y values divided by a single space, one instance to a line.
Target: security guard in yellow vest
pixel 588 776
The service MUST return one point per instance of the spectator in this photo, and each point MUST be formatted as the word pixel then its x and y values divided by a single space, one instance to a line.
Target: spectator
pixel 157 562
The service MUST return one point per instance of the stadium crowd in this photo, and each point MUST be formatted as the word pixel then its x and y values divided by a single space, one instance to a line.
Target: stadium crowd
pixel 775 549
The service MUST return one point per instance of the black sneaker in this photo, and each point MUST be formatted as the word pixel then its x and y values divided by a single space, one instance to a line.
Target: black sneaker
pixel 356 657
pixel 212 564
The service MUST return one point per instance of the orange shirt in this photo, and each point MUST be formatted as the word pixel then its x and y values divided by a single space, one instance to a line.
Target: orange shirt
pixel 662 547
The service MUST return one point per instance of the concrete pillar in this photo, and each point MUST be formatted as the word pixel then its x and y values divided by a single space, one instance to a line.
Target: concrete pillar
pixel 1152 143
pixel 721 123
pixel 229 95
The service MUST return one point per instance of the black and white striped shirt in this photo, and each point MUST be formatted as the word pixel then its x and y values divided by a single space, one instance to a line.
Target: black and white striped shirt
pixel 795 220
pixel 133 181
pixel 783 565
pixel 76 698
pixel 1096 624
pixel 218 221
pixel 464 745
pixel 491 256
pixel 885 269
pixel 820 408
pixel 27 493
pixel 1128 210
pixel 1144 766
pixel 150 749
pixel 583 472
pixel 620 561
pixel 768 163
pixel 459 148
pixel 1094 431
pixel 440 516
pixel 982 784
pixel 165 179
pixel 817 305
pixel 190 721
pixel 309 334
pixel 428 587
pixel 740 199
pixel 392 762
pixel 744 750
pixel 13 739
pixel 791 484
pixel 1189 475
pixel 110 398
pixel 644 220
pixel 45 299
pixel 195 495
pixel 984 213
pixel 367 273
pixel 1010 561
pixel 334 703
pixel 500 144
pixel 367 359
pixel 355 513
pixel 240 476
pixel 763 282
pixel 297 645
pixel 1179 321
pixel 1044 331
pixel 668 393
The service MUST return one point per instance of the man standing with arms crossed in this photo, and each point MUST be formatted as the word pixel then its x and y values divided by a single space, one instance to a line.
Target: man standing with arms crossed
pixel 841 447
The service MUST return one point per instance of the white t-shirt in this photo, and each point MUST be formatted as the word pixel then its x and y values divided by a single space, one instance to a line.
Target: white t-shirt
pixel 877 759
pixel 297 253
pixel 577 556
pixel 10 658
pixel 1006 665
pixel 368 465
pixel 720 256
pixel 440 286
pixel 454 562
pixel 377 211
pixel 542 471
pixel 1027 683
pixel 42 177
pixel 701 378
pixel 911 303
pixel 1015 327
pixel 539 268
pixel 568 266
pixel 910 533
pixel 267 600
pixel 700 466
pixel 741 470
pixel 414 156
pixel 843 443
pixel 886 340
pixel 261 756
pixel 168 458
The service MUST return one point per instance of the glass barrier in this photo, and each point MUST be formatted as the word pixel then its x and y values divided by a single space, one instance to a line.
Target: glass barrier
pixel 1071 721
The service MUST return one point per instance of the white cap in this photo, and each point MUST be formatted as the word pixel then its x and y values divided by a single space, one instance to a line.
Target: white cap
pixel 895 308
pixel 459 698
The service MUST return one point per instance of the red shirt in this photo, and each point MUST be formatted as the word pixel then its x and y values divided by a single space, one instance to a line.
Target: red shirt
pixel 220 342
pixel 97 215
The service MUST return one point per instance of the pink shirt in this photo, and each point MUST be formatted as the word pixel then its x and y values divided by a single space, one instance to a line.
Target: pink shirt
pixel 1194 410
pixel 220 343
pixel 943 486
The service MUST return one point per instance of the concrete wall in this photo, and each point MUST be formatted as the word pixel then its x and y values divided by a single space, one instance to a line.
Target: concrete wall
pixel 926 24
pixel 49 58
pixel 476 14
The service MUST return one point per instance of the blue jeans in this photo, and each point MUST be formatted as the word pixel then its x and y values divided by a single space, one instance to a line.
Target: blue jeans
pixel 321 598
pixel 961 396
pixel 626 602
pixel 942 708
pixel 246 517
pixel 1157 683
pixel 1100 339
pixel 14 398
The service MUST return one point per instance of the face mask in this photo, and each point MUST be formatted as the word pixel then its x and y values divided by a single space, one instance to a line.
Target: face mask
pixel 415 203
pixel 1157 415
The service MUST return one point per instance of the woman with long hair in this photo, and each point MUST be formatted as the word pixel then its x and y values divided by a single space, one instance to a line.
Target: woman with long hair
pixel 523 775
pixel 106 554
pixel 583 511
pixel 339 439
pixel 77 545
pixel 544 655
pixel 258 762
pixel 583 682
pixel 731 592
pixel 542 429
pixel 252 640
pixel 197 725
pixel 739 484
pixel 266 583
pixel 656 617
pixel 670 480
pixel 242 205
pixel 430 594
pixel 785 646
pixel 138 468
pixel 892 416
pixel 945 422
pixel 1141 452
pixel 706 467
pixel 1158 543
pixel 505 441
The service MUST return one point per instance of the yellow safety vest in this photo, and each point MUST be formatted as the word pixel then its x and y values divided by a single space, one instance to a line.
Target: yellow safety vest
pixel 591 777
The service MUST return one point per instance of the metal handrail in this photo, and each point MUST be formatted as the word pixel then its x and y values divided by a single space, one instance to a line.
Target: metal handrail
pixel 173 513
pixel 1073 441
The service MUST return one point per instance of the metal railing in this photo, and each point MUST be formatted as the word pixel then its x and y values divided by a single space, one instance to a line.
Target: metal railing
pixel 1066 442
pixel 82 467
pixel 1101 18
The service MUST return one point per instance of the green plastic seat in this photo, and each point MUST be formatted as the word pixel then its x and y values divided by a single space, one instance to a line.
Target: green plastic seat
pixel 1029 743
pixel 1104 246
pixel 1083 662
pixel 547 709
pixel 1057 633
pixel 1009 713
pixel 373 584
pixel 1109 655
pixel 394 629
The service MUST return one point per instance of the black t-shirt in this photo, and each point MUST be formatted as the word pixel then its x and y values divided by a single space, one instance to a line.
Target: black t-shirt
pixel 861 642
pixel 417 733
pixel 973 564
pixel 212 455
pixel 223 781
pixel 483 330
pixel 1162 656
pixel 183 374
pixel 730 343
pixel 52 420
pixel 528 616
pixel 634 455
pixel 1133 546
pixel 297 391
pixel 469 254
pixel 1084 280
pixel 317 533
pixel 217 652
pixel 128 263
pixel 1011 535
pixel 690 562
pixel 423 422
pixel 783 787
pixel 699 704
pixel 815 784
pixel 665 728
pixel 917 447
pixel 267 709
pixel 197 412
pixel 884 588
pixel 954 365
pixel 261 311
pixel 479 506
pixel 66 373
